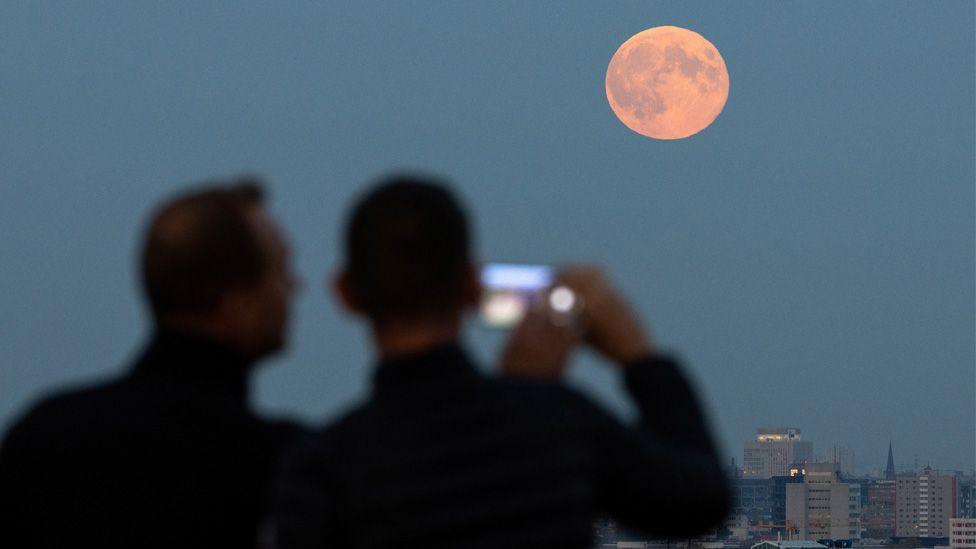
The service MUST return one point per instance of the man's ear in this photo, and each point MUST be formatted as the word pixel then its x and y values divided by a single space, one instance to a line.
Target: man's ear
pixel 345 293
pixel 234 309
pixel 472 291
pixel 232 303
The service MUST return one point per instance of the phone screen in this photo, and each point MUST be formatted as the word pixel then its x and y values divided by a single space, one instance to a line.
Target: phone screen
pixel 509 290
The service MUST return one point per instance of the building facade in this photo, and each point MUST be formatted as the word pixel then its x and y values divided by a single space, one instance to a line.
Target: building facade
pixel 853 510
pixel 779 501
pixel 962 533
pixel 759 507
pixel 879 514
pixel 819 508
pixel 774 451
pixel 924 503
pixel 966 496
pixel 753 499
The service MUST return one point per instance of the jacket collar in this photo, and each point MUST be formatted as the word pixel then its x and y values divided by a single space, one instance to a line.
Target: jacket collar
pixel 195 363
pixel 444 364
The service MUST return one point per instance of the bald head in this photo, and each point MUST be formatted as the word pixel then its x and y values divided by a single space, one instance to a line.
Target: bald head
pixel 199 246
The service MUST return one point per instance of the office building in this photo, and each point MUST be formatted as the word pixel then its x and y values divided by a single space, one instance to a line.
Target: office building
pixel 774 451
pixel 924 503
pixel 853 509
pixel 962 533
pixel 966 496
pixel 778 501
pixel 752 498
pixel 878 515
pixel 819 508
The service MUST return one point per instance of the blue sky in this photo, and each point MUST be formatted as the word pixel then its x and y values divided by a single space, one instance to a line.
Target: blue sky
pixel 810 254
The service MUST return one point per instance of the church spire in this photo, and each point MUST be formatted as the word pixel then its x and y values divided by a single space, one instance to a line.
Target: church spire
pixel 890 471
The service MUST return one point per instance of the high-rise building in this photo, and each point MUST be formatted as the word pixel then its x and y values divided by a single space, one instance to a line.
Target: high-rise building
pixel 925 502
pixel 759 507
pixel 966 496
pixel 962 533
pixel 878 516
pixel 774 451
pixel 778 500
pixel 854 509
pixel 753 499
pixel 820 507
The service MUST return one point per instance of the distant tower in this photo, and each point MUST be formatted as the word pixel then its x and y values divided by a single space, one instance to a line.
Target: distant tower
pixel 890 471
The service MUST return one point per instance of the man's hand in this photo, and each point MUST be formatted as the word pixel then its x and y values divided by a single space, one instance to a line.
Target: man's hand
pixel 612 326
pixel 538 348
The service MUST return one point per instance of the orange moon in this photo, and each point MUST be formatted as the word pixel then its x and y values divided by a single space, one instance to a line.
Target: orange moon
pixel 667 83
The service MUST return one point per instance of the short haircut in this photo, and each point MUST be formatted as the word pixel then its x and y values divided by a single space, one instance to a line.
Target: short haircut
pixel 199 245
pixel 407 249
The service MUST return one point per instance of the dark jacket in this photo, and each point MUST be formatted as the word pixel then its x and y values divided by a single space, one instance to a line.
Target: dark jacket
pixel 169 455
pixel 442 456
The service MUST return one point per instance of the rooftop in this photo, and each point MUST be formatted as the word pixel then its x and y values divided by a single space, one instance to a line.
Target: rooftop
pixel 788 545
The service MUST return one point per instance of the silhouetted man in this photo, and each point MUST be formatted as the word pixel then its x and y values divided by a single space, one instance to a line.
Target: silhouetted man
pixel 443 456
pixel 169 454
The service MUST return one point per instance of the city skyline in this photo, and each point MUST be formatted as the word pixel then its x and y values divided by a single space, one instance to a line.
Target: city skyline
pixel 833 453
pixel 817 501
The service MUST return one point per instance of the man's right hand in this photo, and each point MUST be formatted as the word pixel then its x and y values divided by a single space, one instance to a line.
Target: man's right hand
pixel 612 326
pixel 538 348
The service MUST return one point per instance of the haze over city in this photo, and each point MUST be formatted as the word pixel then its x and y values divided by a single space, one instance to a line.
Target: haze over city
pixel 810 254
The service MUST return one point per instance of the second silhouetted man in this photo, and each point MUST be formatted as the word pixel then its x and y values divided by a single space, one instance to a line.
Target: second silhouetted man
pixel 444 456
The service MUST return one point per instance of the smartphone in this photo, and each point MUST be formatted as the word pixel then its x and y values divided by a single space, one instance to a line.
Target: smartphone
pixel 509 290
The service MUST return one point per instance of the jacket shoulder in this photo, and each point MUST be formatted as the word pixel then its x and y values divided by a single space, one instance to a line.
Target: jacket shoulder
pixel 66 403
pixel 51 416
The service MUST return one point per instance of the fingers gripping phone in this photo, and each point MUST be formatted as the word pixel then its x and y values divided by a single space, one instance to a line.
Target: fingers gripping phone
pixel 510 289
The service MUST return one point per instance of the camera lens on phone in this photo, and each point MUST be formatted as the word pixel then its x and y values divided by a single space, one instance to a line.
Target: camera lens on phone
pixel 562 299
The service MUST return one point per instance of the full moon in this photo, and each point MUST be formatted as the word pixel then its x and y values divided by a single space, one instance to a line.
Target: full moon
pixel 667 83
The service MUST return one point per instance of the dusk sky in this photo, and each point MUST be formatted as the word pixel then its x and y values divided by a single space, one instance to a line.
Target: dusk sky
pixel 810 254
